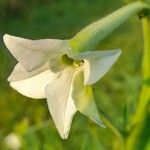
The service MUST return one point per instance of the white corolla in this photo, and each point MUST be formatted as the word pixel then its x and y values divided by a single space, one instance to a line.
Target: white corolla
pixel 47 69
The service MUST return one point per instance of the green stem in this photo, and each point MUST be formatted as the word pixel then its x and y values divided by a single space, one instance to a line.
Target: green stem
pixel 144 100
pixel 146 56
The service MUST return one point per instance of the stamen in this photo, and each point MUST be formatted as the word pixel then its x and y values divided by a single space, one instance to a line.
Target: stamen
pixel 78 63
pixel 69 61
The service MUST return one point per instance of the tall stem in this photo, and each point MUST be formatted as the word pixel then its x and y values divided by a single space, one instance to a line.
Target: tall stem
pixel 146 56
pixel 144 100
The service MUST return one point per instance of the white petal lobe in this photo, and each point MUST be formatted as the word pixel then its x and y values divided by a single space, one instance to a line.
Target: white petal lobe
pixel 19 73
pixel 92 54
pixel 34 87
pixel 32 54
pixel 96 67
pixel 60 103
pixel 84 98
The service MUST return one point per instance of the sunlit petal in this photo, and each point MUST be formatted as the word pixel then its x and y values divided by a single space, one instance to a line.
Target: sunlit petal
pixel 60 102
pixel 84 99
pixel 32 54
pixel 19 73
pixel 92 54
pixel 34 87
pixel 97 66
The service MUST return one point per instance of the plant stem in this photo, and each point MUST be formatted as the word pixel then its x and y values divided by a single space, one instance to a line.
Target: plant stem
pixel 144 100
pixel 146 56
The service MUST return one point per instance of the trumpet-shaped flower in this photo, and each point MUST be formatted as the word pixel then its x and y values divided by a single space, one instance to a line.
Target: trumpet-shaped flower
pixel 63 70
pixel 47 69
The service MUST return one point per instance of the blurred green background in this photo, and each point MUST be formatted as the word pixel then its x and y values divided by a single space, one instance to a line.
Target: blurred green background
pixel 116 94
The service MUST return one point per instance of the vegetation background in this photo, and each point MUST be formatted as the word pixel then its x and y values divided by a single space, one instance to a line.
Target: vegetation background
pixel 116 94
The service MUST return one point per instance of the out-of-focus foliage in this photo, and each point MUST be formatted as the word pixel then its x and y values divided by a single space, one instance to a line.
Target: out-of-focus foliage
pixel 116 94
pixel 128 1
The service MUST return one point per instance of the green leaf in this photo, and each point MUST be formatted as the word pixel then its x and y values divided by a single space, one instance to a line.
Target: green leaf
pixel 84 99
pixel 88 38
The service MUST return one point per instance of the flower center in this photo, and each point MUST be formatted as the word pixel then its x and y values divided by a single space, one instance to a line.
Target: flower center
pixel 69 61
pixel 66 60
pixel 78 62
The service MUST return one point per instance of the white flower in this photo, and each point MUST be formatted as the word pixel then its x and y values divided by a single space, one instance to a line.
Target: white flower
pixel 47 69
pixel 12 141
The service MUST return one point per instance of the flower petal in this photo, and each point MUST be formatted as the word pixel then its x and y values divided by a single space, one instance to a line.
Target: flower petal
pixel 96 68
pixel 32 54
pixel 56 64
pixel 34 86
pixel 84 99
pixel 92 54
pixel 19 73
pixel 60 103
